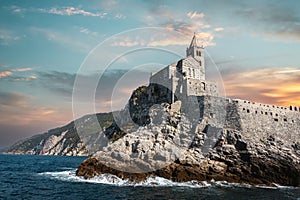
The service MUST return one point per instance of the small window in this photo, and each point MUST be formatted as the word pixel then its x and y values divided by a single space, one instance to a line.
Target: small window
pixel 285 120
pixel 276 115
pixel 203 86
pixel 256 112
pixel 266 113
pixel 276 120
pixel 262 112
pixel 248 111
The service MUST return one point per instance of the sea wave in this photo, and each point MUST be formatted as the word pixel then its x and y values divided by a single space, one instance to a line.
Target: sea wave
pixel 153 181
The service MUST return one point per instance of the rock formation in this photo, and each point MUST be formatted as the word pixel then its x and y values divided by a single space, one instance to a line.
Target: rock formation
pixel 162 145
pixel 180 128
pixel 62 141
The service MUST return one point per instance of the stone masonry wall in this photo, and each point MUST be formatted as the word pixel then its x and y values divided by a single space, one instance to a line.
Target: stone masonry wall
pixel 254 120
pixel 262 120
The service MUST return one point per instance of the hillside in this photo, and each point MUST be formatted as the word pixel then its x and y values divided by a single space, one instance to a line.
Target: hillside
pixel 63 141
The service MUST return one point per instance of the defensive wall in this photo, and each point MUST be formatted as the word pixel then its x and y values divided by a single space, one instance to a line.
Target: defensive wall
pixel 255 120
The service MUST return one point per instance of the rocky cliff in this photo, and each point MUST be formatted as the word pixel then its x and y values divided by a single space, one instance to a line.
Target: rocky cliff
pixel 159 139
pixel 63 141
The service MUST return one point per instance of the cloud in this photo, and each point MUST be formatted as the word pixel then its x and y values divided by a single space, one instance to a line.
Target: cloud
pixel 171 33
pixel 183 23
pixel 16 75
pixel 276 20
pixel 20 78
pixel 218 29
pixel 5 74
pixel 128 41
pixel 278 86
pixel 7 37
pixel 58 83
pixel 63 11
pixel 88 32
pixel 16 108
pixel 195 15
pixel 20 117
pixel 12 99
pixel 22 69
pixel 120 16
pixel 186 31
pixel 71 11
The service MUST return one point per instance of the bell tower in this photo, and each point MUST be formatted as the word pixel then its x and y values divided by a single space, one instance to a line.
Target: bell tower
pixel 197 52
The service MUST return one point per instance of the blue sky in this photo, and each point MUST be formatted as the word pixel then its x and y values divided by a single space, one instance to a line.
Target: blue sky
pixel 43 45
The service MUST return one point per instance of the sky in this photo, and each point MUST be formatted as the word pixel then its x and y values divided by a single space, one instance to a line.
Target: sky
pixel 102 50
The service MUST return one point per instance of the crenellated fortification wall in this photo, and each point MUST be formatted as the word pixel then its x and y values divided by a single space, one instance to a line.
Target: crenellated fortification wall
pixel 263 119
pixel 255 120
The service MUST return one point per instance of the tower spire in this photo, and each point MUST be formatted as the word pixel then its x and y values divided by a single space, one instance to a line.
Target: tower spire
pixel 194 41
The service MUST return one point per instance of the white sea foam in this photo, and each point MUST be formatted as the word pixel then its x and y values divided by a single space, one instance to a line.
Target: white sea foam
pixel 70 176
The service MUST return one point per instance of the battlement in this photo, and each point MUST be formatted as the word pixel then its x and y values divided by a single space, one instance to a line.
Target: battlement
pixel 265 109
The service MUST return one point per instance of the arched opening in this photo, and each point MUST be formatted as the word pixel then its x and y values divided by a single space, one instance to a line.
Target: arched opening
pixel 202 86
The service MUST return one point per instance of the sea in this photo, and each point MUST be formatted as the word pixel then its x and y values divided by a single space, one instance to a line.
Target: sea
pixel 53 177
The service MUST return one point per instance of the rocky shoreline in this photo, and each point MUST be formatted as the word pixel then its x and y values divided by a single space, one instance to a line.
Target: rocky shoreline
pixel 233 160
pixel 161 144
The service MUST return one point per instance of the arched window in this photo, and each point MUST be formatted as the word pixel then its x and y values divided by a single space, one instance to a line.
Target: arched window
pixel 190 72
pixel 202 86
pixel 193 73
pixel 200 63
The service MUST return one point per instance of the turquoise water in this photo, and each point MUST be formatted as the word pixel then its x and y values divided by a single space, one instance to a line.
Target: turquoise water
pixel 53 177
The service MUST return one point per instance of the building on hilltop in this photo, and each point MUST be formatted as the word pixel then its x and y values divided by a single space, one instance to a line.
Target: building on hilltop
pixel 185 80
pixel 186 77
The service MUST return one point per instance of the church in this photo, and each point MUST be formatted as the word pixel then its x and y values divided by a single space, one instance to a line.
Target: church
pixel 185 81
pixel 186 77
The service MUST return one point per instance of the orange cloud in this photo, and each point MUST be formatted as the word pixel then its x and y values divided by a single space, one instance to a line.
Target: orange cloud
pixel 16 108
pixel 219 29
pixel 5 73
pixel 280 86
